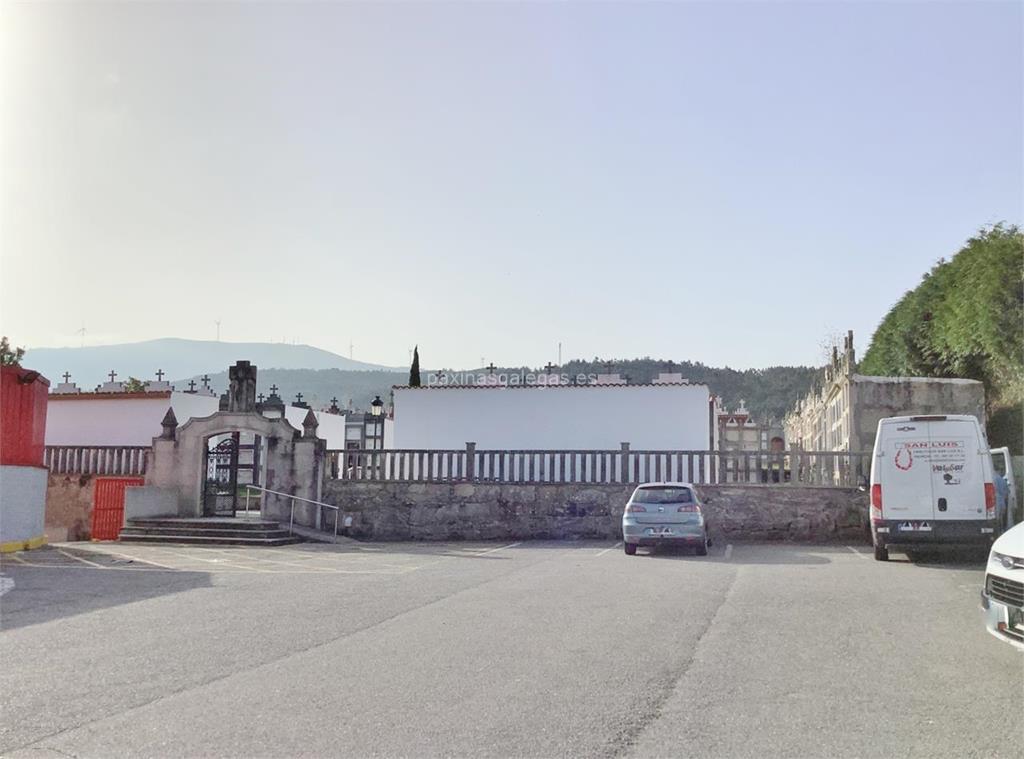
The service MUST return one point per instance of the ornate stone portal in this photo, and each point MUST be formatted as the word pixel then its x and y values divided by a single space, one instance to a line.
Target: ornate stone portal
pixel 287 460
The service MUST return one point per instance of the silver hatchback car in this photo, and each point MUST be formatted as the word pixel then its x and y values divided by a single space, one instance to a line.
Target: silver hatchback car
pixel 664 513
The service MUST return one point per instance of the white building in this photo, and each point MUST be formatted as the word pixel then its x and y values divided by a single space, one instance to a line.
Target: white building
pixel 658 416
pixel 85 419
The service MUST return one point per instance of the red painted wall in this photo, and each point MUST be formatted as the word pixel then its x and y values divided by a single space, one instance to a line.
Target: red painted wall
pixel 23 396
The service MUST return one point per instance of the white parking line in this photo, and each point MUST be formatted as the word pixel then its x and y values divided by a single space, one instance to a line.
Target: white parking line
pixel 500 548
pixel 79 558
pixel 857 553
pixel 728 551
pixel 601 553
pixel 105 551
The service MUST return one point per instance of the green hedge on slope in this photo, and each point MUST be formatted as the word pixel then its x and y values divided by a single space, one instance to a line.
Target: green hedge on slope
pixel 965 319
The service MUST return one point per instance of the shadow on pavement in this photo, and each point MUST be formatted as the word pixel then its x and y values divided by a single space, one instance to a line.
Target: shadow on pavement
pixel 46 589
pixel 750 553
pixel 939 558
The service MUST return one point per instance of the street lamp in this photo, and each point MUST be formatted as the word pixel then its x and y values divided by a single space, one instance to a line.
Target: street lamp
pixel 377 412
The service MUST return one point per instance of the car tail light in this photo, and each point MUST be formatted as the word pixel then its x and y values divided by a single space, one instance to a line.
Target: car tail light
pixel 689 507
pixel 876 497
pixel 631 507
pixel 990 500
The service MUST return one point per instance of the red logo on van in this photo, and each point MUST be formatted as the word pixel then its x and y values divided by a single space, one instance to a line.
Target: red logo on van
pixel 904 463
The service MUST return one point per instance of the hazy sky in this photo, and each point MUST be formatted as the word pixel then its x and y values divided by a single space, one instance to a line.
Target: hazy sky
pixel 720 182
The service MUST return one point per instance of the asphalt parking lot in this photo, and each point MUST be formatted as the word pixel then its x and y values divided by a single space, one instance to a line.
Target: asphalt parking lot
pixel 534 649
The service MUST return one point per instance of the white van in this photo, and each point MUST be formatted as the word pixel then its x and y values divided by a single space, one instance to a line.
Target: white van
pixel 931 484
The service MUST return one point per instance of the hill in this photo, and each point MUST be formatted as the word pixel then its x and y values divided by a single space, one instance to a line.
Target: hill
pixel 769 393
pixel 178 358
pixel 321 375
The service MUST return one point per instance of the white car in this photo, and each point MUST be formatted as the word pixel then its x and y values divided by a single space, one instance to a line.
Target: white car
pixel 1003 594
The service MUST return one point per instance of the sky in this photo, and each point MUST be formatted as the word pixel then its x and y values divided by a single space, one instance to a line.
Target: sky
pixel 730 183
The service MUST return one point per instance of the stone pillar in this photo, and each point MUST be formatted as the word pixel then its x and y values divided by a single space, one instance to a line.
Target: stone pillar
pixel 169 425
pixel 470 461
pixel 241 387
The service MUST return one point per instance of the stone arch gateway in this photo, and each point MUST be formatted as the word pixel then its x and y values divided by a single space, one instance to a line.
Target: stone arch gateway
pixel 292 461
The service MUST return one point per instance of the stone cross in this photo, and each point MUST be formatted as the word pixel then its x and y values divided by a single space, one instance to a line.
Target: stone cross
pixel 260 397
pixel 334 401
pixel 242 387
pixel 206 380
pixel 67 377
pixel 112 375
pixel 491 368
pixel 159 375
pixel 273 390
pixel 192 385
pixel 549 367
pixel 298 397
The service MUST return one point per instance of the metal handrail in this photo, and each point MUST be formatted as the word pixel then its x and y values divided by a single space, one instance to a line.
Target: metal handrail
pixel 294 498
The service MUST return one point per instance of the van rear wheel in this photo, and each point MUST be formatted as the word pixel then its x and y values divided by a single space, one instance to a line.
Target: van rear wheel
pixel 630 549
pixel 881 552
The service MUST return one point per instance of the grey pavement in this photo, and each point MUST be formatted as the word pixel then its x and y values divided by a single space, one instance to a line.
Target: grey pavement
pixel 536 649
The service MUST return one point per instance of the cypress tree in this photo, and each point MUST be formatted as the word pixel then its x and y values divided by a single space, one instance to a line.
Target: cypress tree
pixel 414 370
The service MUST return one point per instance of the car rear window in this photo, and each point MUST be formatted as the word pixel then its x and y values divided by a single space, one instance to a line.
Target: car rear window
pixel 663 495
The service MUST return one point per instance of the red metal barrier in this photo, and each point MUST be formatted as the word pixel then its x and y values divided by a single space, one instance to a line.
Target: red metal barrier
pixel 23 396
pixel 108 506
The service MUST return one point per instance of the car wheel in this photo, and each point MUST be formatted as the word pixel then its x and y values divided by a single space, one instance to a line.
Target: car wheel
pixel 630 549
pixel 702 549
pixel 881 552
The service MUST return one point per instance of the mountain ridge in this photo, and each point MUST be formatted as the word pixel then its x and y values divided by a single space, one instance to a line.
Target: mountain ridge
pixel 180 357
pixel 321 375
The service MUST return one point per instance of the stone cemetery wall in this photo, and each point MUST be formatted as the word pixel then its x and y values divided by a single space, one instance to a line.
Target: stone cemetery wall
pixel 419 511
pixel 69 507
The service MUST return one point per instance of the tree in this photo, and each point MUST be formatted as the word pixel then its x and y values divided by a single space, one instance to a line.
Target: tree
pixel 964 320
pixel 414 370
pixel 134 385
pixel 9 357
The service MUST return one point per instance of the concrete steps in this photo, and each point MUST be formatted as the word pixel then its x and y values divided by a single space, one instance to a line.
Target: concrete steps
pixel 207 531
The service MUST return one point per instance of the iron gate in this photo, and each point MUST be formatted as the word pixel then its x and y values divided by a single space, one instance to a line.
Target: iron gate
pixel 229 466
